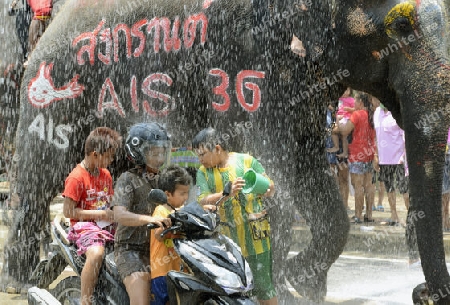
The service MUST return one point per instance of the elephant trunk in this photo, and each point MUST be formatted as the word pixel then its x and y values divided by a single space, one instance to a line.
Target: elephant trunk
pixel 424 93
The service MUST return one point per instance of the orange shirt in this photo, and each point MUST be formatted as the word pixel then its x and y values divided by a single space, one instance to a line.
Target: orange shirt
pixel 90 193
pixel 163 257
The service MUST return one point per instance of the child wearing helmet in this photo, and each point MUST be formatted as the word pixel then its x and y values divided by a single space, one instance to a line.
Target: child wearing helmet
pixel 148 147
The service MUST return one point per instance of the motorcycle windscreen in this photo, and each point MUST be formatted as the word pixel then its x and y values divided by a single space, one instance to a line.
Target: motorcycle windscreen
pixel 217 260
pixel 195 218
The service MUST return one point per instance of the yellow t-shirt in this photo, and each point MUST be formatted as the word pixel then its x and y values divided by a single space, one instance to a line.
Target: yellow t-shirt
pixel 163 257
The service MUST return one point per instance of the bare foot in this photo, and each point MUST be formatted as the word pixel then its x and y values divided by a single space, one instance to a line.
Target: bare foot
pixel 332 149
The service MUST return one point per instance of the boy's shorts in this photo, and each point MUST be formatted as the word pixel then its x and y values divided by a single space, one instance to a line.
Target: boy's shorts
pixel 446 177
pixel 389 174
pixel 160 295
pixel 131 259
pixel 87 234
pixel 261 266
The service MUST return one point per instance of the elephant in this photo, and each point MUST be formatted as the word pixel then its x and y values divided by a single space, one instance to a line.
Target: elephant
pixel 228 64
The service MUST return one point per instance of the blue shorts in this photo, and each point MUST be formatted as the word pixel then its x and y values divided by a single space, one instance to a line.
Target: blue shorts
pixel 360 168
pixel 446 178
pixel 160 295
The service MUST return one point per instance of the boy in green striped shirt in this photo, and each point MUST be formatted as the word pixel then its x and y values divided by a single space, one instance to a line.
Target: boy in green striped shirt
pixel 245 214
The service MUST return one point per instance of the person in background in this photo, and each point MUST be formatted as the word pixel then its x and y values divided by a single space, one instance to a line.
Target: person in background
pixel 175 181
pixel 446 188
pixel 389 160
pixel 148 147
pixel 87 193
pixel 338 166
pixel 42 12
pixel 361 153
pixel 22 11
pixel 249 226
pixel 346 106
pixel 376 175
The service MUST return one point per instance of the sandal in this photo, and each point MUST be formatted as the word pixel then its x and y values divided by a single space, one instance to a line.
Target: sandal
pixel 368 220
pixel 356 220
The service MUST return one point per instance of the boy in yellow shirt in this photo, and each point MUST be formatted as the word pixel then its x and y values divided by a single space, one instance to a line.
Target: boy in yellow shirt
pixel 175 181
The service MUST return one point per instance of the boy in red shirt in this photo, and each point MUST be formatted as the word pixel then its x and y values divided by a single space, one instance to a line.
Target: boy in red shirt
pixel 87 193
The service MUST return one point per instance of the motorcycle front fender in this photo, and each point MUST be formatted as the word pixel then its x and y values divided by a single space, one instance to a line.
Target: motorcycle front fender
pixel 186 289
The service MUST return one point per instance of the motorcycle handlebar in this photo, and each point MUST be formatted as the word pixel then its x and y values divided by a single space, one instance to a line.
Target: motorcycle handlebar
pixel 172 228
pixel 152 226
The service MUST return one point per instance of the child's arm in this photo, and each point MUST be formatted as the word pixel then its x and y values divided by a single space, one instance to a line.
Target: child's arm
pixel 159 213
pixel 127 218
pixel 70 210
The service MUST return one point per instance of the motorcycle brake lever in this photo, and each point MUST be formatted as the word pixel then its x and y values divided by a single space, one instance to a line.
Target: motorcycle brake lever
pixel 172 228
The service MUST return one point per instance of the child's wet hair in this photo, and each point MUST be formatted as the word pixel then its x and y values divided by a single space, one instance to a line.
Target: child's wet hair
pixel 172 176
pixel 208 138
pixel 102 139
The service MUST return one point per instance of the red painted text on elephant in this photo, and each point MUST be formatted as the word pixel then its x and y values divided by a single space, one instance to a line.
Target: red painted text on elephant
pixel 162 104
pixel 107 41
pixel 222 89
pixel 158 98
pixel 42 92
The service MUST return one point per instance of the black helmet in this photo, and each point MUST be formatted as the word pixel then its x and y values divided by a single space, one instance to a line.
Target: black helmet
pixel 145 137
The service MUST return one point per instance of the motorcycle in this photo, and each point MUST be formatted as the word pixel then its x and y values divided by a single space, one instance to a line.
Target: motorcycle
pixel 218 273
pixel 109 289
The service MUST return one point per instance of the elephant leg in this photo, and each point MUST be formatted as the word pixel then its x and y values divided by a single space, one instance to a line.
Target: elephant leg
pixel 30 227
pixel 281 214
pixel 428 225
pixel 410 234
pixel 329 225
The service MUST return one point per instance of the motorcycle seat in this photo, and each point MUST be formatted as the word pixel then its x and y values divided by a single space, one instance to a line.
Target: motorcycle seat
pixel 111 266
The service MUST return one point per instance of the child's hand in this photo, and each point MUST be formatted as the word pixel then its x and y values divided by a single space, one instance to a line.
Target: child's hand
pixel 270 191
pixel 210 207
pixel 160 222
pixel 237 186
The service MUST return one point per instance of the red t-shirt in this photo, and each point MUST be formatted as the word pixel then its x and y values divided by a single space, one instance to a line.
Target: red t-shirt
pixel 363 139
pixel 41 8
pixel 90 193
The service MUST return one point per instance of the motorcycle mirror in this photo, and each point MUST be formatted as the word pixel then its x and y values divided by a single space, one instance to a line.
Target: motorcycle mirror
pixel 227 189
pixel 157 196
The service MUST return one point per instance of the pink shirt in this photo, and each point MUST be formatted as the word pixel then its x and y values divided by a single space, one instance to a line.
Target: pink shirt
pixel 345 102
pixel 390 138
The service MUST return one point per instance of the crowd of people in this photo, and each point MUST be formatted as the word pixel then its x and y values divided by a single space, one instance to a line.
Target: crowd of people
pixel 376 154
